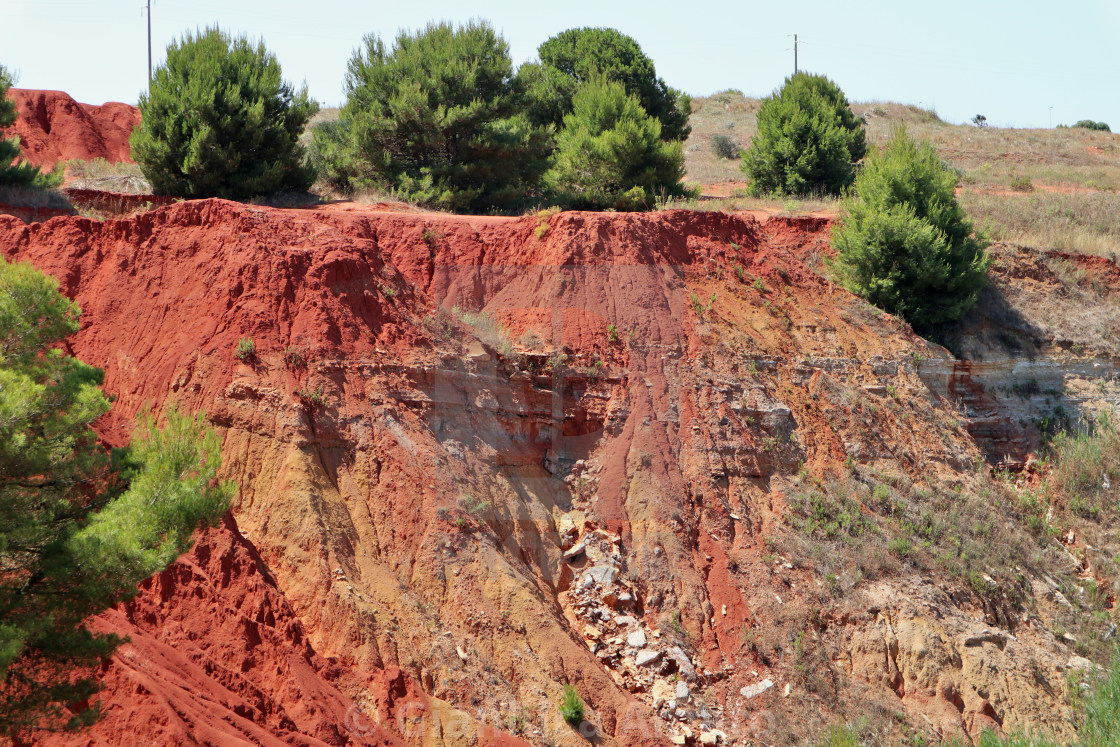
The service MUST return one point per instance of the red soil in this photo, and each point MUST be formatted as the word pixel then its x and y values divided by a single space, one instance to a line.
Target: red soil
pixel 365 580
pixel 53 127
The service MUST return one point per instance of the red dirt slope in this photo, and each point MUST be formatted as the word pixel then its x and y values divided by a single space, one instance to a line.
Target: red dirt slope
pixel 232 667
pixel 588 494
pixel 53 127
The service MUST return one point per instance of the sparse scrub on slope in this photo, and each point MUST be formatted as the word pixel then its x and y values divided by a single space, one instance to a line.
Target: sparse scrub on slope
pixel 1083 223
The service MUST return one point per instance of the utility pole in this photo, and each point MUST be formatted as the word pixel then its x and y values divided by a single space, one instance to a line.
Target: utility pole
pixel 149 47
pixel 794 52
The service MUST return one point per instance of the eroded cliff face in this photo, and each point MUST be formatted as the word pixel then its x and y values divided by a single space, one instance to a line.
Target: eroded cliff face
pixel 53 127
pixel 444 516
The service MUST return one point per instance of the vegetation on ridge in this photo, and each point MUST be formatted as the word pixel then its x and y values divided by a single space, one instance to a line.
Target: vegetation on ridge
pixel 220 122
pixel 808 140
pixel 576 57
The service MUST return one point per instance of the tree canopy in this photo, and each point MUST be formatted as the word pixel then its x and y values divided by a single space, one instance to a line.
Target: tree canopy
pixel 577 56
pixel 220 122
pixel 438 119
pixel 808 140
pixel 903 241
pixel 80 527
pixel 610 153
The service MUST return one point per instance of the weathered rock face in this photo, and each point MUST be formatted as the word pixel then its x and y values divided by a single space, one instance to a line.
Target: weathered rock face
pixel 1040 349
pixel 53 127
pixel 465 511
pixel 965 676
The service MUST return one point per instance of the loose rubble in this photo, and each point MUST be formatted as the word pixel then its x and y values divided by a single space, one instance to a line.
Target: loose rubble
pixel 602 599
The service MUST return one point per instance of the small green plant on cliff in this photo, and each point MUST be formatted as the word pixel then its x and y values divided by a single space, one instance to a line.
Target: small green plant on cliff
pixel 314 399
pixel 488 330
pixel 612 333
pixel 220 122
pixel 246 349
pixel 294 357
pixel 571 706
pixel 903 242
pixel 697 304
pixel 1086 463
pixel 474 506
pixel 543 225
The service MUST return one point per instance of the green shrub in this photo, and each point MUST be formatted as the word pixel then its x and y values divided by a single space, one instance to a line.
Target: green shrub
pixel 1088 124
pixel 294 357
pixel 220 122
pixel 807 141
pixel 725 147
pixel 904 243
pixel 437 120
pixel 313 399
pixel 571 706
pixel 576 56
pixel 246 349
pixel 610 153
pixel 20 174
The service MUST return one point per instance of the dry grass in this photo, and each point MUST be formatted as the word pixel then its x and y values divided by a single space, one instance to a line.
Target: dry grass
pixel 730 114
pixel 987 157
pixel 1087 223
pixel 102 175
pixel 783 207
pixel 33 198
pixel 1071 173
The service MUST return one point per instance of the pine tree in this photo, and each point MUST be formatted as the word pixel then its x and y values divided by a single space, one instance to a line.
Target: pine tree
pixel 808 140
pixel 79 527
pixel 610 153
pixel 220 122
pixel 903 241
pixel 576 56
pixel 438 120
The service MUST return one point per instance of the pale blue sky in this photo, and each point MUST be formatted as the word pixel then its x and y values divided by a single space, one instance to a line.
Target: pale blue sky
pixel 1010 61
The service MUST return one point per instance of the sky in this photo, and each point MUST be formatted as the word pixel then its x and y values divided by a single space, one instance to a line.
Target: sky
pixel 1020 63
